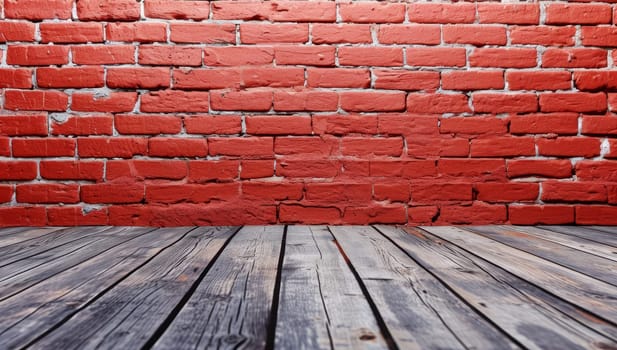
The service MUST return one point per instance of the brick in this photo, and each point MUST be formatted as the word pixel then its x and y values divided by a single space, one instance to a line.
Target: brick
pixel 69 77
pixel 426 34
pixel 47 193
pixel 503 147
pixel 108 10
pixel 323 146
pixel 307 168
pixel 365 146
pixel 440 192
pixel 573 102
pixel 540 168
pixel 263 190
pixel 507 192
pixel 242 147
pixel 569 147
pixel 472 80
pixel 372 101
pixel 174 101
pixel 75 32
pixel 11 170
pixel 442 13
pixel 372 214
pixel 305 55
pixel 273 77
pixel 599 36
pixel 407 124
pixel 22 216
pixel 341 33
pixel 143 32
pixel 5 146
pixel 486 169
pixel 405 80
pixel 82 125
pixel 103 54
pixel 338 77
pixel 110 102
pixel 558 123
pixel 344 124
pixel 392 192
pixel 48 147
pixel 292 213
pixel 18 78
pixel 193 193
pixel 478 35
pixel 71 170
pixel 238 55
pixel 473 125
pixel 116 147
pixel 422 214
pixel 35 100
pixel 138 78
pixel 208 170
pixel 338 192
pixel 591 80
pixel 554 191
pixel 255 169
pixel 509 13
pixel 368 56
pixel 206 79
pixel 427 147
pixel 30 55
pixel 562 13
pixel 169 55
pixel 6 193
pixel 596 215
pixel 503 57
pixel 477 213
pixel 208 33
pixel 38 9
pixel 542 35
pixel 76 216
pixel 197 10
pixel 306 100
pixel 257 33
pixel 541 214
pixel 407 169
pixel 240 10
pixel 176 147
pixel 437 103
pixel 599 125
pixel 245 100
pixel 16 31
pixel 23 125
pixel 115 193
pixel 593 170
pixel 539 80
pixel 278 125
pixel 213 124
pixel 147 124
pixel 295 11
pixel 574 58
pixel 372 12
pixel 436 57
pixel 130 170
pixel 504 103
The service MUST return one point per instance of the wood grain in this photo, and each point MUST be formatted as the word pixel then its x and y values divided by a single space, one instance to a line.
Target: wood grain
pixel 599 236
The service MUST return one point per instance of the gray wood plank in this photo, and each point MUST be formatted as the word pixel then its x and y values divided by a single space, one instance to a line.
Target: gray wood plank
pixel 231 307
pixel 609 229
pixel 571 241
pixel 531 316
pixel 417 309
pixel 321 305
pixel 588 264
pixel 129 314
pixel 597 297
pixel 27 272
pixel 20 234
pixel 42 244
pixel 33 312
pixel 586 233
pixel 11 230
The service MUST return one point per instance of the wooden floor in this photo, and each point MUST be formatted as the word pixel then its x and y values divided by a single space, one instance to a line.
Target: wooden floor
pixel 309 287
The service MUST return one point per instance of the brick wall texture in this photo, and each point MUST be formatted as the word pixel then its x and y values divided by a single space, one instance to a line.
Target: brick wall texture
pixel 161 112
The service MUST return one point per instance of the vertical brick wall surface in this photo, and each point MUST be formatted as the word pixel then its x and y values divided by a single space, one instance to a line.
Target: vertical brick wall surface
pixel 161 112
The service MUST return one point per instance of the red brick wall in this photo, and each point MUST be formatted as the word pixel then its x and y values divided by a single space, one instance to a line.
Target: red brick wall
pixel 162 112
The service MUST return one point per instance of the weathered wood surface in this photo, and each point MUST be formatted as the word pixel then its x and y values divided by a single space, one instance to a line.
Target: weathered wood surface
pixel 610 229
pixel 595 296
pixel 37 310
pixel 588 264
pixel 231 308
pixel 416 308
pixel 321 304
pixel 15 235
pixel 599 236
pixel 525 312
pixel 129 314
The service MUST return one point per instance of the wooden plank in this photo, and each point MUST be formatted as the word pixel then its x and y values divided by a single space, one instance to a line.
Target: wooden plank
pixel 597 297
pixel 535 318
pixel 231 307
pixel 24 273
pixel 35 246
pixel 33 312
pixel 418 311
pixel 609 229
pixel 20 234
pixel 588 264
pixel 586 233
pixel 129 314
pixel 321 305
pixel 571 241
pixel 11 230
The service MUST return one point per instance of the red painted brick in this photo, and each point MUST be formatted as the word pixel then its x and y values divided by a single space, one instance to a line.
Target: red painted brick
pixel 543 35
pixel 71 32
pixel 247 146
pixel 341 33
pixel 23 216
pixel 504 103
pixel 76 216
pixel 472 80
pixel 569 147
pixel 175 101
pixel 437 103
pixel 255 169
pixel 475 34
pixel 272 190
pixel 540 168
pixel 541 214
pixel 147 124
pixel 38 9
pixel 408 169
pixel 562 191
pixel 107 147
pixel 382 213
pixel 338 77
pixel 293 213
pixel 48 147
pixel 574 58
pixel 599 125
pixel 115 193
pixel 47 193
pixel 558 123
pixel 372 12
pixel 81 125
pixel 256 33
pixel 17 170
pixel 177 147
pixel 405 80
pixel 573 102
pixel 365 56
pixel 111 102
pixel 473 125
pixel 479 213
pixel 372 101
pixel 82 77
pixel 509 13
pixel 238 55
pixel 72 170
pixel 208 170
pixel 442 13
pixel 503 57
pixel 305 55
pixel 503 147
pixel 305 100
pixel 143 32
pixel 23 125
pixel 197 10
pixel 539 80
pixel 108 10
pixel 19 78
pixel 507 192
pixel 563 13
pixel 361 146
pixel 167 55
pixel 103 54
pixel 431 192
pixel 35 100
pixel 130 170
pixel 596 215
pixel 278 125
pixel 31 55
pixel 213 124
pixel 16 31
pixel 426 34
pixel 208 33
pixel 436 56
pixel 138 78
